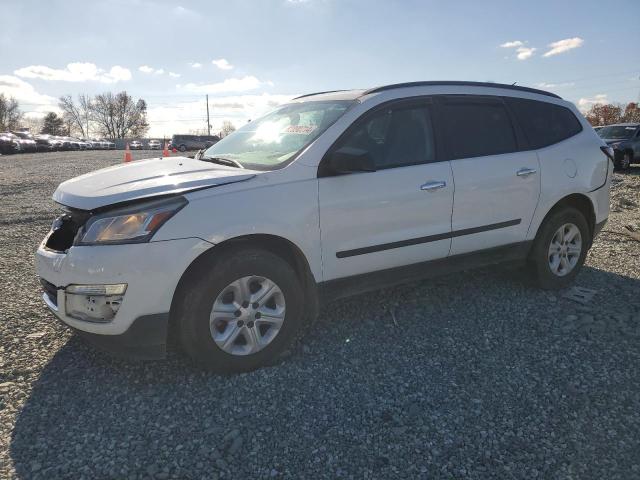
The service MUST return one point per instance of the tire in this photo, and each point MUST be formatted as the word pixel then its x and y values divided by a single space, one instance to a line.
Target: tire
pixel 182 148
pixel 542 261
pixel 623 163
pixel 211 284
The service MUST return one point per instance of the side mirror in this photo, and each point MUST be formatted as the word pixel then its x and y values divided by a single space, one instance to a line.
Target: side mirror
pixel 349 160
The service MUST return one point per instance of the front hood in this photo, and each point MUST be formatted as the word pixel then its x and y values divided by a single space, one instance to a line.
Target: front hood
pixel 144 179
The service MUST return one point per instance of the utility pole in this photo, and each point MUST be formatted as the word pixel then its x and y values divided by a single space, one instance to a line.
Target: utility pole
pixel 208 124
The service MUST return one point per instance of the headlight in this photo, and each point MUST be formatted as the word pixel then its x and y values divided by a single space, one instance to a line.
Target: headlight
pixel 134 224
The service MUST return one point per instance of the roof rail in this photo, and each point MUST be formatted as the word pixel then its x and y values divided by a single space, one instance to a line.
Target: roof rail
pixel 459 83
pixel 318 93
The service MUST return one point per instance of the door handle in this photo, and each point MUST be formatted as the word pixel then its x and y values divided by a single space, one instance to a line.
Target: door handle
pixel 431 186
pixel 525 172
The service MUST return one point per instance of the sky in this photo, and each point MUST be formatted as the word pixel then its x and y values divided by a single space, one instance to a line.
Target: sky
pixel 251 55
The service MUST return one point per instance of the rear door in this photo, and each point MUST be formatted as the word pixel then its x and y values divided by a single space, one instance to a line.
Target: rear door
pixel 399 214
pixel 496 186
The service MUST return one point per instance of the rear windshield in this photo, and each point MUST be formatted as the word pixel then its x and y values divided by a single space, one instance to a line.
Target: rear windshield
pixel 617 132
pixel 272 141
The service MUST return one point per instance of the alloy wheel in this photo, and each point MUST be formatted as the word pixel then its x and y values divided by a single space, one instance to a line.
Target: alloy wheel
pixel 247 315
pixel 565 249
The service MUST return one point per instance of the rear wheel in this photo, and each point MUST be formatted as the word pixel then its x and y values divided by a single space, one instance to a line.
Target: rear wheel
pixel 559 249
pixel 240 311
pixel 182 148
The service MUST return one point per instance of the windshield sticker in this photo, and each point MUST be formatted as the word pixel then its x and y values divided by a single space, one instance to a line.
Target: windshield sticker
pixel 629 128
pixel 300 129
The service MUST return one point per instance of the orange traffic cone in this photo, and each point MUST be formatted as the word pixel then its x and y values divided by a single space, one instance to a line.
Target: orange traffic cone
pixel 175 150
pixel 127 154
pixel 165 151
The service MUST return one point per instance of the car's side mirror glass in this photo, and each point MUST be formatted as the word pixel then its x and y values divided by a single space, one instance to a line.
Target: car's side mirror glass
pixel 349 160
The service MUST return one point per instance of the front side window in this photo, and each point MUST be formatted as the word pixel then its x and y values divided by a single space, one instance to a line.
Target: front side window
pixel 271 141
pixel 477 127
pixel 394 137
pixel 545 123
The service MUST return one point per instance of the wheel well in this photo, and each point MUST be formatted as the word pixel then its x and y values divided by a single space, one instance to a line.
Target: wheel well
pixel 579 202
pixel 279 246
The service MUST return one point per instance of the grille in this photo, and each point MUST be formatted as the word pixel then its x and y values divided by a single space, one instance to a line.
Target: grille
pixel 50 290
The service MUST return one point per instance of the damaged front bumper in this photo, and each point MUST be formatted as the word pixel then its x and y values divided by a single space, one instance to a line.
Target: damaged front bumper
pixel 117 296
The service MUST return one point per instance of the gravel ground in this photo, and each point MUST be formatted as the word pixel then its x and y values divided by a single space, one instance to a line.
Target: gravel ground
pixel 476 375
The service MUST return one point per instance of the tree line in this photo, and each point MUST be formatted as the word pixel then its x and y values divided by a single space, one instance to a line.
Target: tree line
pixel 110 115
pixel 610 113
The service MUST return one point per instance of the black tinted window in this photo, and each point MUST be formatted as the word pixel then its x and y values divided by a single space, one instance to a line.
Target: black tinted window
pixel 477 127
pixel 544 123
pixel 395 137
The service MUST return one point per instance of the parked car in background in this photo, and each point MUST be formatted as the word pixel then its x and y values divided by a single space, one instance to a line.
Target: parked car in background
pixel 154 145
pixel 27 143
pixel 192 142
pixel 46 143
pixel 8 144
pixel 624 138
pixel 135 145
pixel 231 253
pixel 107 144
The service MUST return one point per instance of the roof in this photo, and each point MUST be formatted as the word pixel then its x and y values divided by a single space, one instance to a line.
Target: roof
pixel 354 94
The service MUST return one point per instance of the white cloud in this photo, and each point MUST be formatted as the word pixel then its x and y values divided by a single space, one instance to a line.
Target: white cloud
pixel 222 64
pixel 76 72
pixel 174 75
pixel 524 52
pixel 585 104
pixel 554 85
pixel 195 65
pixel 514 44
pixel 562 46
pixel 229 85
pixel 166 120
pixel 31 101
pixel 150 70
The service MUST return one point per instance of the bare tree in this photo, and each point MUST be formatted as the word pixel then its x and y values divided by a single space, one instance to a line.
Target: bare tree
pixel 10 114
pixel 33 124
pixel 119 116
pixel 227 128
pixel 77 114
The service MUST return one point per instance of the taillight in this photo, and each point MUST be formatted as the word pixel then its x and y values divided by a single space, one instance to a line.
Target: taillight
pixel 608 151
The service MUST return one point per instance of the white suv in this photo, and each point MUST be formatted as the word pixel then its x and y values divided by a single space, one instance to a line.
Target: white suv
pixel 330 195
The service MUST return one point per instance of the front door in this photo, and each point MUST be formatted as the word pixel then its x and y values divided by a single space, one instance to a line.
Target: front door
pixel 398 215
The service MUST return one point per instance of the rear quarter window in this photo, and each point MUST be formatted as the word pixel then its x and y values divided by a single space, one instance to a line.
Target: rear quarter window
pixel 544 123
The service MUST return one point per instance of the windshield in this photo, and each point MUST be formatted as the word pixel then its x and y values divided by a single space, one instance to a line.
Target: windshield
pixel 273 140
pixel 617 132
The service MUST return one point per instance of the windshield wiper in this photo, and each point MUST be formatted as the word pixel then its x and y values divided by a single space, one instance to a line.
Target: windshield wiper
pixel 222 161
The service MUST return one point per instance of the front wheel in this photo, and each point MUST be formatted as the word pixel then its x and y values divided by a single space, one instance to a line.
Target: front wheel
pixel 559 249
pixel 182 148
pixel 240 310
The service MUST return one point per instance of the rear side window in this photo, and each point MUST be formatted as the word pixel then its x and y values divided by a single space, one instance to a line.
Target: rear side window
pixel 544 123
pixel 395 136
pixel 477 127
